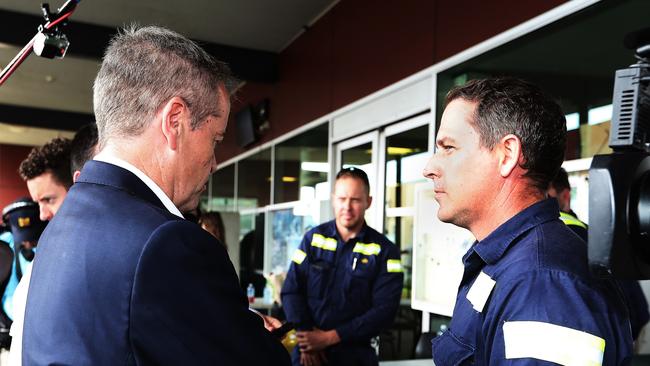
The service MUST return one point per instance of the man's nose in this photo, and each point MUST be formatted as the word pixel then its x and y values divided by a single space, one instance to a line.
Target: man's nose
pixel 45 213
pixel 432 168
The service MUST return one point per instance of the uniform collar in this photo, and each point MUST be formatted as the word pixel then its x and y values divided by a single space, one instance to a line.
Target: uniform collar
pixel 333 233
pixel 492 248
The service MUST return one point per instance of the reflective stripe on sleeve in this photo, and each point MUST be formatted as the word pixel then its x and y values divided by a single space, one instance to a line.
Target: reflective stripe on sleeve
pixel 552 343
pixel 367 249
pixel 319 241
pixel 394 265
pixel 298 256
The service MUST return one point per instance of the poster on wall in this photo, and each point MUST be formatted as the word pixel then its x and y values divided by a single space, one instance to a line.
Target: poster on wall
pixel 288 230
pixel 438 249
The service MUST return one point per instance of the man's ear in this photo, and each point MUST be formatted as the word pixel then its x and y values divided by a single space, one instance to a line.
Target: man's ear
pixel 172 115
pixel 510 154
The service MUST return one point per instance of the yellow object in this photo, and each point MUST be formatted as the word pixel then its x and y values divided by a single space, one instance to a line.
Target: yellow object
pixel 290 341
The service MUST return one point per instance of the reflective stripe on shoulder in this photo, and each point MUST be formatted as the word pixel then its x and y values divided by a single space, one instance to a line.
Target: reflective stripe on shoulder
pixel 552 343
pixel 298 256
pixel 480 291
pixel 394 265
pixel 570 220
pixel 367 249
pixel 319 241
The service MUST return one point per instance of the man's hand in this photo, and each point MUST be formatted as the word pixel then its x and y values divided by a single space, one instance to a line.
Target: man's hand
pixel 271 323
pixel 316 340
pixel 312 358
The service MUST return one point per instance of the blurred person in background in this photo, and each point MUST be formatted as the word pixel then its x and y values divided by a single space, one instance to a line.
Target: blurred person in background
pixel 213 223
pixel 344 282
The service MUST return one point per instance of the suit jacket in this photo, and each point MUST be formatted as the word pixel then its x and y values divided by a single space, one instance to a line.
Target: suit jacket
pixel 119 280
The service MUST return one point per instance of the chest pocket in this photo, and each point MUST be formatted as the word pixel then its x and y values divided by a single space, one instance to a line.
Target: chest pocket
pixel 359 278
pixel 319 276
pixel 448 349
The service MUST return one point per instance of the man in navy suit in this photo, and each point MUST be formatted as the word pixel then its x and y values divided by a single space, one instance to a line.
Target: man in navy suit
pixel 121 277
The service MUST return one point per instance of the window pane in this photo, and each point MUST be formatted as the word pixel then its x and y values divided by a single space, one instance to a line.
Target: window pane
pixel 254 180
pixel 360 157
pixel 400 231
pixel 222 190
pixel 406 155
pixel 251 251
pixel 301 167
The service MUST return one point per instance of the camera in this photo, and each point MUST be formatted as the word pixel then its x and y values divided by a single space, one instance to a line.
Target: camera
pixel 619 183
pixel 50 45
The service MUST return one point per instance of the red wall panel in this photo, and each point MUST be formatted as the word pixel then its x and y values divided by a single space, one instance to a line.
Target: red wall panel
pixel 11 185
pixel 460 24
pixel 378 43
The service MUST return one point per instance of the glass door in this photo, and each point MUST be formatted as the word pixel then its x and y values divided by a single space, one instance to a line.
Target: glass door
pixel 404 154
pixel 361 152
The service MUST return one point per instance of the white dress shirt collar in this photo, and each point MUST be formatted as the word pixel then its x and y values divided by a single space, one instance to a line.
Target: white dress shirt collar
pixel 110 159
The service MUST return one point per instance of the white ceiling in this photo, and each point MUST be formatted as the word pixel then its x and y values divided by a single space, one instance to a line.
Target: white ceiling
pixel 66 84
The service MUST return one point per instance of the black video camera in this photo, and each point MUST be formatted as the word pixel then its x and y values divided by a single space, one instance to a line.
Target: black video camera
pixel 619 183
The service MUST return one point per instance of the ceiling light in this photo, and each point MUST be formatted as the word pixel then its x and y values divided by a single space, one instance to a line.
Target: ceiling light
pixel 394 150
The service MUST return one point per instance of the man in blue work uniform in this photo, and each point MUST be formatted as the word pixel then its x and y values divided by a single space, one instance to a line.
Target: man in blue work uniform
pixel 526 296
pixel 344 283
pixel 560 189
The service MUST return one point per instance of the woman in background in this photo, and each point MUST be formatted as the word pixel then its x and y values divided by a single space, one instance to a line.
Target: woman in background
pixel 212 223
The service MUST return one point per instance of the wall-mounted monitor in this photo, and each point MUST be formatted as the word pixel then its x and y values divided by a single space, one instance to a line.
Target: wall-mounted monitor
pixel 245 127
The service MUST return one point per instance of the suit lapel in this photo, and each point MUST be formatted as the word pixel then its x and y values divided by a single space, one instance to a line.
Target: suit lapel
pixel 98 172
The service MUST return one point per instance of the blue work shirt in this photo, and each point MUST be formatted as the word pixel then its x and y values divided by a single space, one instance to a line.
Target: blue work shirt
pixel 632 293
pixel 527 298
pixel 353 287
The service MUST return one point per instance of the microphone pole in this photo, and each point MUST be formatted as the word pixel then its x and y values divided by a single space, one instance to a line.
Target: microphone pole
pixel 63 13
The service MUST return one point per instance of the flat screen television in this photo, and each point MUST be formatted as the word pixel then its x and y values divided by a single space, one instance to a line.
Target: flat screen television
pixel 245 127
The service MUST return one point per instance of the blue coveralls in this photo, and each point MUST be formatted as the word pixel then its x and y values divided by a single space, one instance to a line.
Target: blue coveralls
pixel 352 287
pixel 527 298
pixel 632 292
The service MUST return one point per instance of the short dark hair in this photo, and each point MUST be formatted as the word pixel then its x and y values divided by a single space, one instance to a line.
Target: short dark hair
pixel 52 157
pixel 83 146
pixel 354 172
pixel 561 181
pixel 513 106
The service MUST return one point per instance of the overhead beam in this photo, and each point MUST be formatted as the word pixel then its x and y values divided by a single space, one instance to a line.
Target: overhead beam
pixel 89 40
pixel 45 118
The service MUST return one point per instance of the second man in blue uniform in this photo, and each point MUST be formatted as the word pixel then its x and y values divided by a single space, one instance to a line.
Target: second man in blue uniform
pixel 526 296
pixel 344 283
